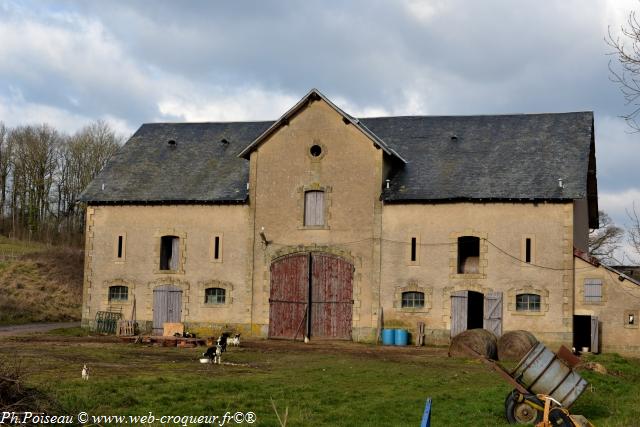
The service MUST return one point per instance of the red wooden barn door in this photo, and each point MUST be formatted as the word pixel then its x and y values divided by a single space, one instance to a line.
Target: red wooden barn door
pixel 331 296
pixel 289 296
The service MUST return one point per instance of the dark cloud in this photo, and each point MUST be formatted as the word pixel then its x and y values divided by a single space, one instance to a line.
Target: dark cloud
pixel 165 60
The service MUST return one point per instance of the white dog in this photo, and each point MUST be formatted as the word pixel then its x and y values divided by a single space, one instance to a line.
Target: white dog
pixel 85 373
pixel 235 341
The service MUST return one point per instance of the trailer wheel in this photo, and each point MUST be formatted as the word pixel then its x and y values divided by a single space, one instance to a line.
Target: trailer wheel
pixel 520 412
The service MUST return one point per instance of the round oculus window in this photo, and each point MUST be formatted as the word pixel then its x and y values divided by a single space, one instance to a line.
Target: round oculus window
pixel 315 150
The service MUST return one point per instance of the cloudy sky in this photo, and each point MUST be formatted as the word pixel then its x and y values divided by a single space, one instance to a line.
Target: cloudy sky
pixel 68 63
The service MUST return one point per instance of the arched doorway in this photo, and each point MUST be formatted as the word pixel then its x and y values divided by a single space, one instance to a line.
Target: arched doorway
pixel 311 295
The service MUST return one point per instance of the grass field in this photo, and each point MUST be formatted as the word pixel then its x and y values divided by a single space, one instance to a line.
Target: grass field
pixel 39 283
pixel 321 384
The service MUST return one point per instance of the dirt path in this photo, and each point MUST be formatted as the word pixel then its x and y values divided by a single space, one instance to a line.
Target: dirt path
pixel 29 328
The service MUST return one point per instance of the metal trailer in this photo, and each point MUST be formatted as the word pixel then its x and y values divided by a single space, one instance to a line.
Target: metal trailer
pixel 545 386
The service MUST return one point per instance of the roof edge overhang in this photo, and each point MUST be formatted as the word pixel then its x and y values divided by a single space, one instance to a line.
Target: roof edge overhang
pixel 311 96
pixel 163 202
pixel 476 200
pixel 592 182
pixel 577 253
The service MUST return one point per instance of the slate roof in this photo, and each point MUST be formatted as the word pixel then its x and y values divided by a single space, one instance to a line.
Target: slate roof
pixel 199 168
pixel 488 157
pixel 506 157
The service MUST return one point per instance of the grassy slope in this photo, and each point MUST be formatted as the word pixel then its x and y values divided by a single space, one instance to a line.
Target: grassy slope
pixel 39 283
pixel 355 385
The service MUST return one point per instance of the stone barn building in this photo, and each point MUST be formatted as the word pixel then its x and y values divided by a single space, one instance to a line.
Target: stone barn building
pixel 323 225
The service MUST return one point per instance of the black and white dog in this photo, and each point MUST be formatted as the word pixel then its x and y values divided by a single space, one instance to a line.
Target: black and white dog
pixel 214 353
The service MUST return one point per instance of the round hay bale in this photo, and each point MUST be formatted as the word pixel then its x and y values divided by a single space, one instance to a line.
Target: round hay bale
pixel 480 341
pixel 513 345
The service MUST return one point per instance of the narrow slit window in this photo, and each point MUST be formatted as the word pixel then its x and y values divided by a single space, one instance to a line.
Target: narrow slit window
pixel 527 250
pixel 120 246
pixel 216 247
pixel 414 249
pixel 314 208
pixel 169 253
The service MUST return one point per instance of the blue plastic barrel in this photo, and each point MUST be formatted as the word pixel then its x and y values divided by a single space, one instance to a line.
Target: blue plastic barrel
pixel 401 337
pixel 388 336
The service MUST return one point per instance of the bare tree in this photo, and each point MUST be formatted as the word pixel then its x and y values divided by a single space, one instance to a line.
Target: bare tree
pixel 626 48
pixel 5 163
pixel 605 240
pixel 43 172
pixel 633 231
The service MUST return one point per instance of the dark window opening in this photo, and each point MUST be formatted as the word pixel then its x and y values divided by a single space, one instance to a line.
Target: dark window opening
pixel 414 248
pixel 631 319
pixel 468 254
pixel 527 302
pixel 120 241
pixel 527 250
pixel 412 299
pixel 216 247
pixel 214 296
pixel 118 293
pixel 169 252
pixel 313 208
pixel 475 310
pixel 315 150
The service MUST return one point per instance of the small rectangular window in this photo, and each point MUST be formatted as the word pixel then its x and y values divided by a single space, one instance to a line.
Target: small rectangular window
pixel 468 254
pixel 527 302
pixel 527 250
pixel 592 290
pixel 412 299
pixel 414 248
pixel 169 253
pixel 214 296
pixel 314 208
pixel 216 247
pixel 118 293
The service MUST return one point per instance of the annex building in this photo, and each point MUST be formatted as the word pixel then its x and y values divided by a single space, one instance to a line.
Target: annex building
pixel 323 225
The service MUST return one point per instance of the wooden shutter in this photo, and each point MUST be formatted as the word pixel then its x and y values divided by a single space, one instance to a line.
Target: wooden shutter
pixel 175 254
pixel 314 208
pixel 595 330
pixel 493 313
pixel 592 290
pixel 459 308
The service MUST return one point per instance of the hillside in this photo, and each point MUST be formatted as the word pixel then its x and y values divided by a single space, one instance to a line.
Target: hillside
pixel 39 283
